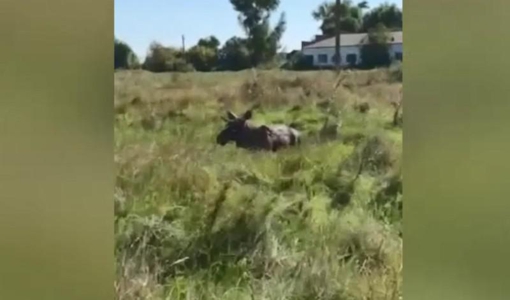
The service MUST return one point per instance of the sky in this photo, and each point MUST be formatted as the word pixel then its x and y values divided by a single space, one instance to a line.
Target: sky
pixel 138 23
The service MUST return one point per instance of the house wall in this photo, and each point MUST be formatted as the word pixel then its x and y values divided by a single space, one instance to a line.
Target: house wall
pixel 330 52
pixel 344 51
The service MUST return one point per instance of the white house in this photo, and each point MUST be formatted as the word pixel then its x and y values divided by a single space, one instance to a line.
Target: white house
pixel 321 51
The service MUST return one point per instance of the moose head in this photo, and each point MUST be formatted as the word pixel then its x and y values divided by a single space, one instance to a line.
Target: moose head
pixel 248 136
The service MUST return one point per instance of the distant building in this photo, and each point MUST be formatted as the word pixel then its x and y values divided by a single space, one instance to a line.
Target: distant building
pixel 321 51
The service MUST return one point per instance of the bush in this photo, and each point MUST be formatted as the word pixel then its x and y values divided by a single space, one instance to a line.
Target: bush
pixel 298 61
pixel 202 58
pixel 234 55
pixel 124 57
pixel 210 42
pixel 165 59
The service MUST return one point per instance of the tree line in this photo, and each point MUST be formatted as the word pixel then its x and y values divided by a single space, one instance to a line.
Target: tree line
pixel 260 46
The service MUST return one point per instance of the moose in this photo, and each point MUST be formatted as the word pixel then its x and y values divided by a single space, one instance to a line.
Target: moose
pixel 249 136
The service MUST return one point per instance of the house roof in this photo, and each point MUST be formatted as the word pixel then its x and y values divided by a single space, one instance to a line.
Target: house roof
pixel 351 39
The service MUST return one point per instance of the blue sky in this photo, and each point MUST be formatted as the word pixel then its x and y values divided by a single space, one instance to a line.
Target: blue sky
pixel 138 23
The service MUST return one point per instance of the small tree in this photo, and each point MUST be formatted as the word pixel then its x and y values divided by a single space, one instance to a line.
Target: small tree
pixel 234 55
pixel 375 51
pixel 165 59
pixel 210 42
pixel 262 42
pixel 202 58
pixel 124 57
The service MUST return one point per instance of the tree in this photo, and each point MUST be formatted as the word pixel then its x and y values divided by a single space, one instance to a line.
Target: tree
pixel 165 59
pixel 350 16
pixel 204 55
pixel 203 58
pixel 387 14
pixel 337 15
pixel 234 55
pixel 262 42
pixel 209 42
pixel 124 57
pixel 375 52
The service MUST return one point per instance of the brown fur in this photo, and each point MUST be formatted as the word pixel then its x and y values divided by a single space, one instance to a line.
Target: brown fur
pixel 249 136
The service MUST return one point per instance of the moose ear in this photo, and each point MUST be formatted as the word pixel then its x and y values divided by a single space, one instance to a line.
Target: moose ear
pixel 231 115
pixel 247 115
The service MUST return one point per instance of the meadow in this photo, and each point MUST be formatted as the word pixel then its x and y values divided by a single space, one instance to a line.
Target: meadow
pixel 194 220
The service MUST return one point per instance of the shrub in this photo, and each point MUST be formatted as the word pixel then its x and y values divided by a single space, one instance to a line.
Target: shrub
pixel 234 55
pixel 124 57
pixel 165 59
pixel 202 58
pixel 298 61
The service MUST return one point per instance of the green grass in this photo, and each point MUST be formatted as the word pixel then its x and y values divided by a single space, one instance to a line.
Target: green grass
pixel 194 220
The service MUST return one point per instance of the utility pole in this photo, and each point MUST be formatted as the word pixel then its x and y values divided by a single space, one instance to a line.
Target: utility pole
pixel 337 36
pixel 183 44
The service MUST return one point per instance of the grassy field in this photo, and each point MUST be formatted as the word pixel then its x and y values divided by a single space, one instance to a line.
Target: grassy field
pixel 194 220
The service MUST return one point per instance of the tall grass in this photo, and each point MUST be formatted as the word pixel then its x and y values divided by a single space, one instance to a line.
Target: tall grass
pixel 194 220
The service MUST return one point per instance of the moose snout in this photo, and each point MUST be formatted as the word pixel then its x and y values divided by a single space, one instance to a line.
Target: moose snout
pixel 220 140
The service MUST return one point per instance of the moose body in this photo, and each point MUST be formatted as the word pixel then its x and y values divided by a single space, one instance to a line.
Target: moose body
pixel 248 136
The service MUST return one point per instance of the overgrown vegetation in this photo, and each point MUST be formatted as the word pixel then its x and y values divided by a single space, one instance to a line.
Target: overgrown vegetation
pixel 194 220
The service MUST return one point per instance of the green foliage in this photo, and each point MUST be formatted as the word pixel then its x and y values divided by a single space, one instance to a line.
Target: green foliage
pixel 375 52
pixel 124 57
pixel 165 59
pixel 262 42
pixel 202 58
pixel 351 16
pixel 234 55
pixel 210 42
pixel 387 14
pixel 387 201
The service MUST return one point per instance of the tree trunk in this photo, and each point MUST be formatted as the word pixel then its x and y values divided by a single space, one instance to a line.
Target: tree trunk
pixel 337 36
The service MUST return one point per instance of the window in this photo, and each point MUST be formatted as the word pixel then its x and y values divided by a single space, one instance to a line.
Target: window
pixel 333 58
pixel 398 56
pixel 352 59
pixel 322 58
